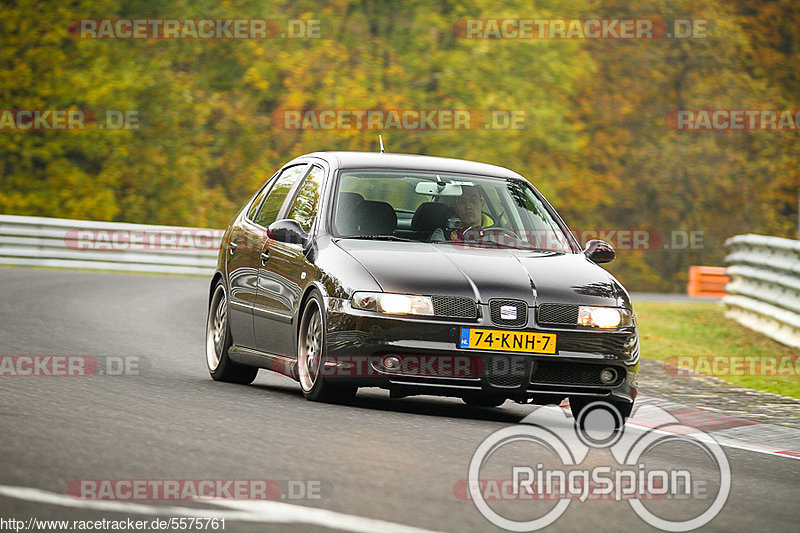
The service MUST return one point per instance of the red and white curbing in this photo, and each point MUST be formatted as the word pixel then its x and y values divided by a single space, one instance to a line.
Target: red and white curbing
pixel 729 431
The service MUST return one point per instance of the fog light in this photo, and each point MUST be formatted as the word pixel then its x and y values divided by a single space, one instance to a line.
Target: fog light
pixel 608 375
pixel 391 363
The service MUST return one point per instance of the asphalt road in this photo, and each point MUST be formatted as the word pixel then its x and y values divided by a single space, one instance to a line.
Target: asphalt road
pixel 379 459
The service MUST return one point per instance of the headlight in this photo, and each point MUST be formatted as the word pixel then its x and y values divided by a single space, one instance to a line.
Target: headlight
pixel 393 304
pixel 604 317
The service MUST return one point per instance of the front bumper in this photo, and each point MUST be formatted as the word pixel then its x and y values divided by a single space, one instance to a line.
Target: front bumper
pixel 413 355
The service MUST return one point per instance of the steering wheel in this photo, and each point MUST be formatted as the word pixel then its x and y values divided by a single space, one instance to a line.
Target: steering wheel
pixel 490 234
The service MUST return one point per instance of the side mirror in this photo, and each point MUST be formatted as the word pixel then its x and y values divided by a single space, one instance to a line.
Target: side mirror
pixel 287 230
pixel 599 251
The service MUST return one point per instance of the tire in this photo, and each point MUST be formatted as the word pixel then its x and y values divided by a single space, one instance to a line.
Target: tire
pixel 483 401
pixel 311 352
pixel 218 341
pixel 580 407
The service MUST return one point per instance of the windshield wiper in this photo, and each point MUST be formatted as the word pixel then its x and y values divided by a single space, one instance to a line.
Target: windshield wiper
pixel 496 244
pixel 380 238
pixel 484 244
pixel 544 251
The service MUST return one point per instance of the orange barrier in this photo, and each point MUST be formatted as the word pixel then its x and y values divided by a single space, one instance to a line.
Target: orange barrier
pixel 707 282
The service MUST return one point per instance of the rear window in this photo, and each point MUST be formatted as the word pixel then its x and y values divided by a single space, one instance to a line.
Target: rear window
pixel 394 189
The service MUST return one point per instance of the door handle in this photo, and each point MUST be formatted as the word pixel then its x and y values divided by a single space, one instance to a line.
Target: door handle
pixel 232 246
pixel 264 257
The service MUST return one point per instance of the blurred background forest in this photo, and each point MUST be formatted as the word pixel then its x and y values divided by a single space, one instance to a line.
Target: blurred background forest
pixel 595 142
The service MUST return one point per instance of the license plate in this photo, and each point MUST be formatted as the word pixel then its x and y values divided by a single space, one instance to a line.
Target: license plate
pixel 507 341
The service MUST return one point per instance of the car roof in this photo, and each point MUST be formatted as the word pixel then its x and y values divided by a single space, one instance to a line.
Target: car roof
pixel 346 160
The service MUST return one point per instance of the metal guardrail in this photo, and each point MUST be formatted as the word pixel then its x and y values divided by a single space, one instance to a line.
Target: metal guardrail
pixel 764 292
pixel 58 242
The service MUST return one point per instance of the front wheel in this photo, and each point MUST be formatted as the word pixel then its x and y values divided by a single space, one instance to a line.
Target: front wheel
pixel 218 341
pixel 617 412
pixel 311 351
pixel 483 401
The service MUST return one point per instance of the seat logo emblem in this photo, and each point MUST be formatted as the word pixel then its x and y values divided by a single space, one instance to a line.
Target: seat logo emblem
pixel 508 312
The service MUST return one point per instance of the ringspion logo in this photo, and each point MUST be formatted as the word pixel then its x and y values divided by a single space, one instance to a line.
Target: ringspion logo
pixel 548 463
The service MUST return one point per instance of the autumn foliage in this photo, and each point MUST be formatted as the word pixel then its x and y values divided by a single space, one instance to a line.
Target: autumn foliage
pixel 596 139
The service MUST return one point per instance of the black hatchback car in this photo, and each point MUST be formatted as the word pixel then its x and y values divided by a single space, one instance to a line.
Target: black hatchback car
pixel 420 275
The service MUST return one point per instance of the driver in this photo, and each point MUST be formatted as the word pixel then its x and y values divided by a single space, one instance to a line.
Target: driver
pixel 469 208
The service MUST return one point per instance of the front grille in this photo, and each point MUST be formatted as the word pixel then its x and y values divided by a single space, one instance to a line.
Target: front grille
pixel 454 307
pixel 603 343
pixel 573 374
pixel 520 310
pixel 557 314
pixel 506 372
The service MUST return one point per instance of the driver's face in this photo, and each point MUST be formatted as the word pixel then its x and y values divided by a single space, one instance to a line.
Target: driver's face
pixel 469 207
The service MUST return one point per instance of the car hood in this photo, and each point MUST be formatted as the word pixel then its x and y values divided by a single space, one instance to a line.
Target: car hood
pixel 483 273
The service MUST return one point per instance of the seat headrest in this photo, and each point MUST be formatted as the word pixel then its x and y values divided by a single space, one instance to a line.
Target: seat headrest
pixel 429 216
pixel 350 198
pixel 346 221
pixel 375 218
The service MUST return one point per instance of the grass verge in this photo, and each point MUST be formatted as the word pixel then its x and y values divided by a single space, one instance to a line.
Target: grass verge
pixel 673 329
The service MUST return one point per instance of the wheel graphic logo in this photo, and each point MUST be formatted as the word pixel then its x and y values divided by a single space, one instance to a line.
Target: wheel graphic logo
pixel 550 429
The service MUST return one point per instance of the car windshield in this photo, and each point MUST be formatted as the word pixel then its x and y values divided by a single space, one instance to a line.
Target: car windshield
pixel 442 208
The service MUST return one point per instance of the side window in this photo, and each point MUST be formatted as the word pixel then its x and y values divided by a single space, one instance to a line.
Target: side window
pixel 304 207
pixel 278 193
pixel 251 214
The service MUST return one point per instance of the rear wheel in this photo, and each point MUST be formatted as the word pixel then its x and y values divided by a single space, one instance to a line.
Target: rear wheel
pixel 311 351
pixel 218 341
